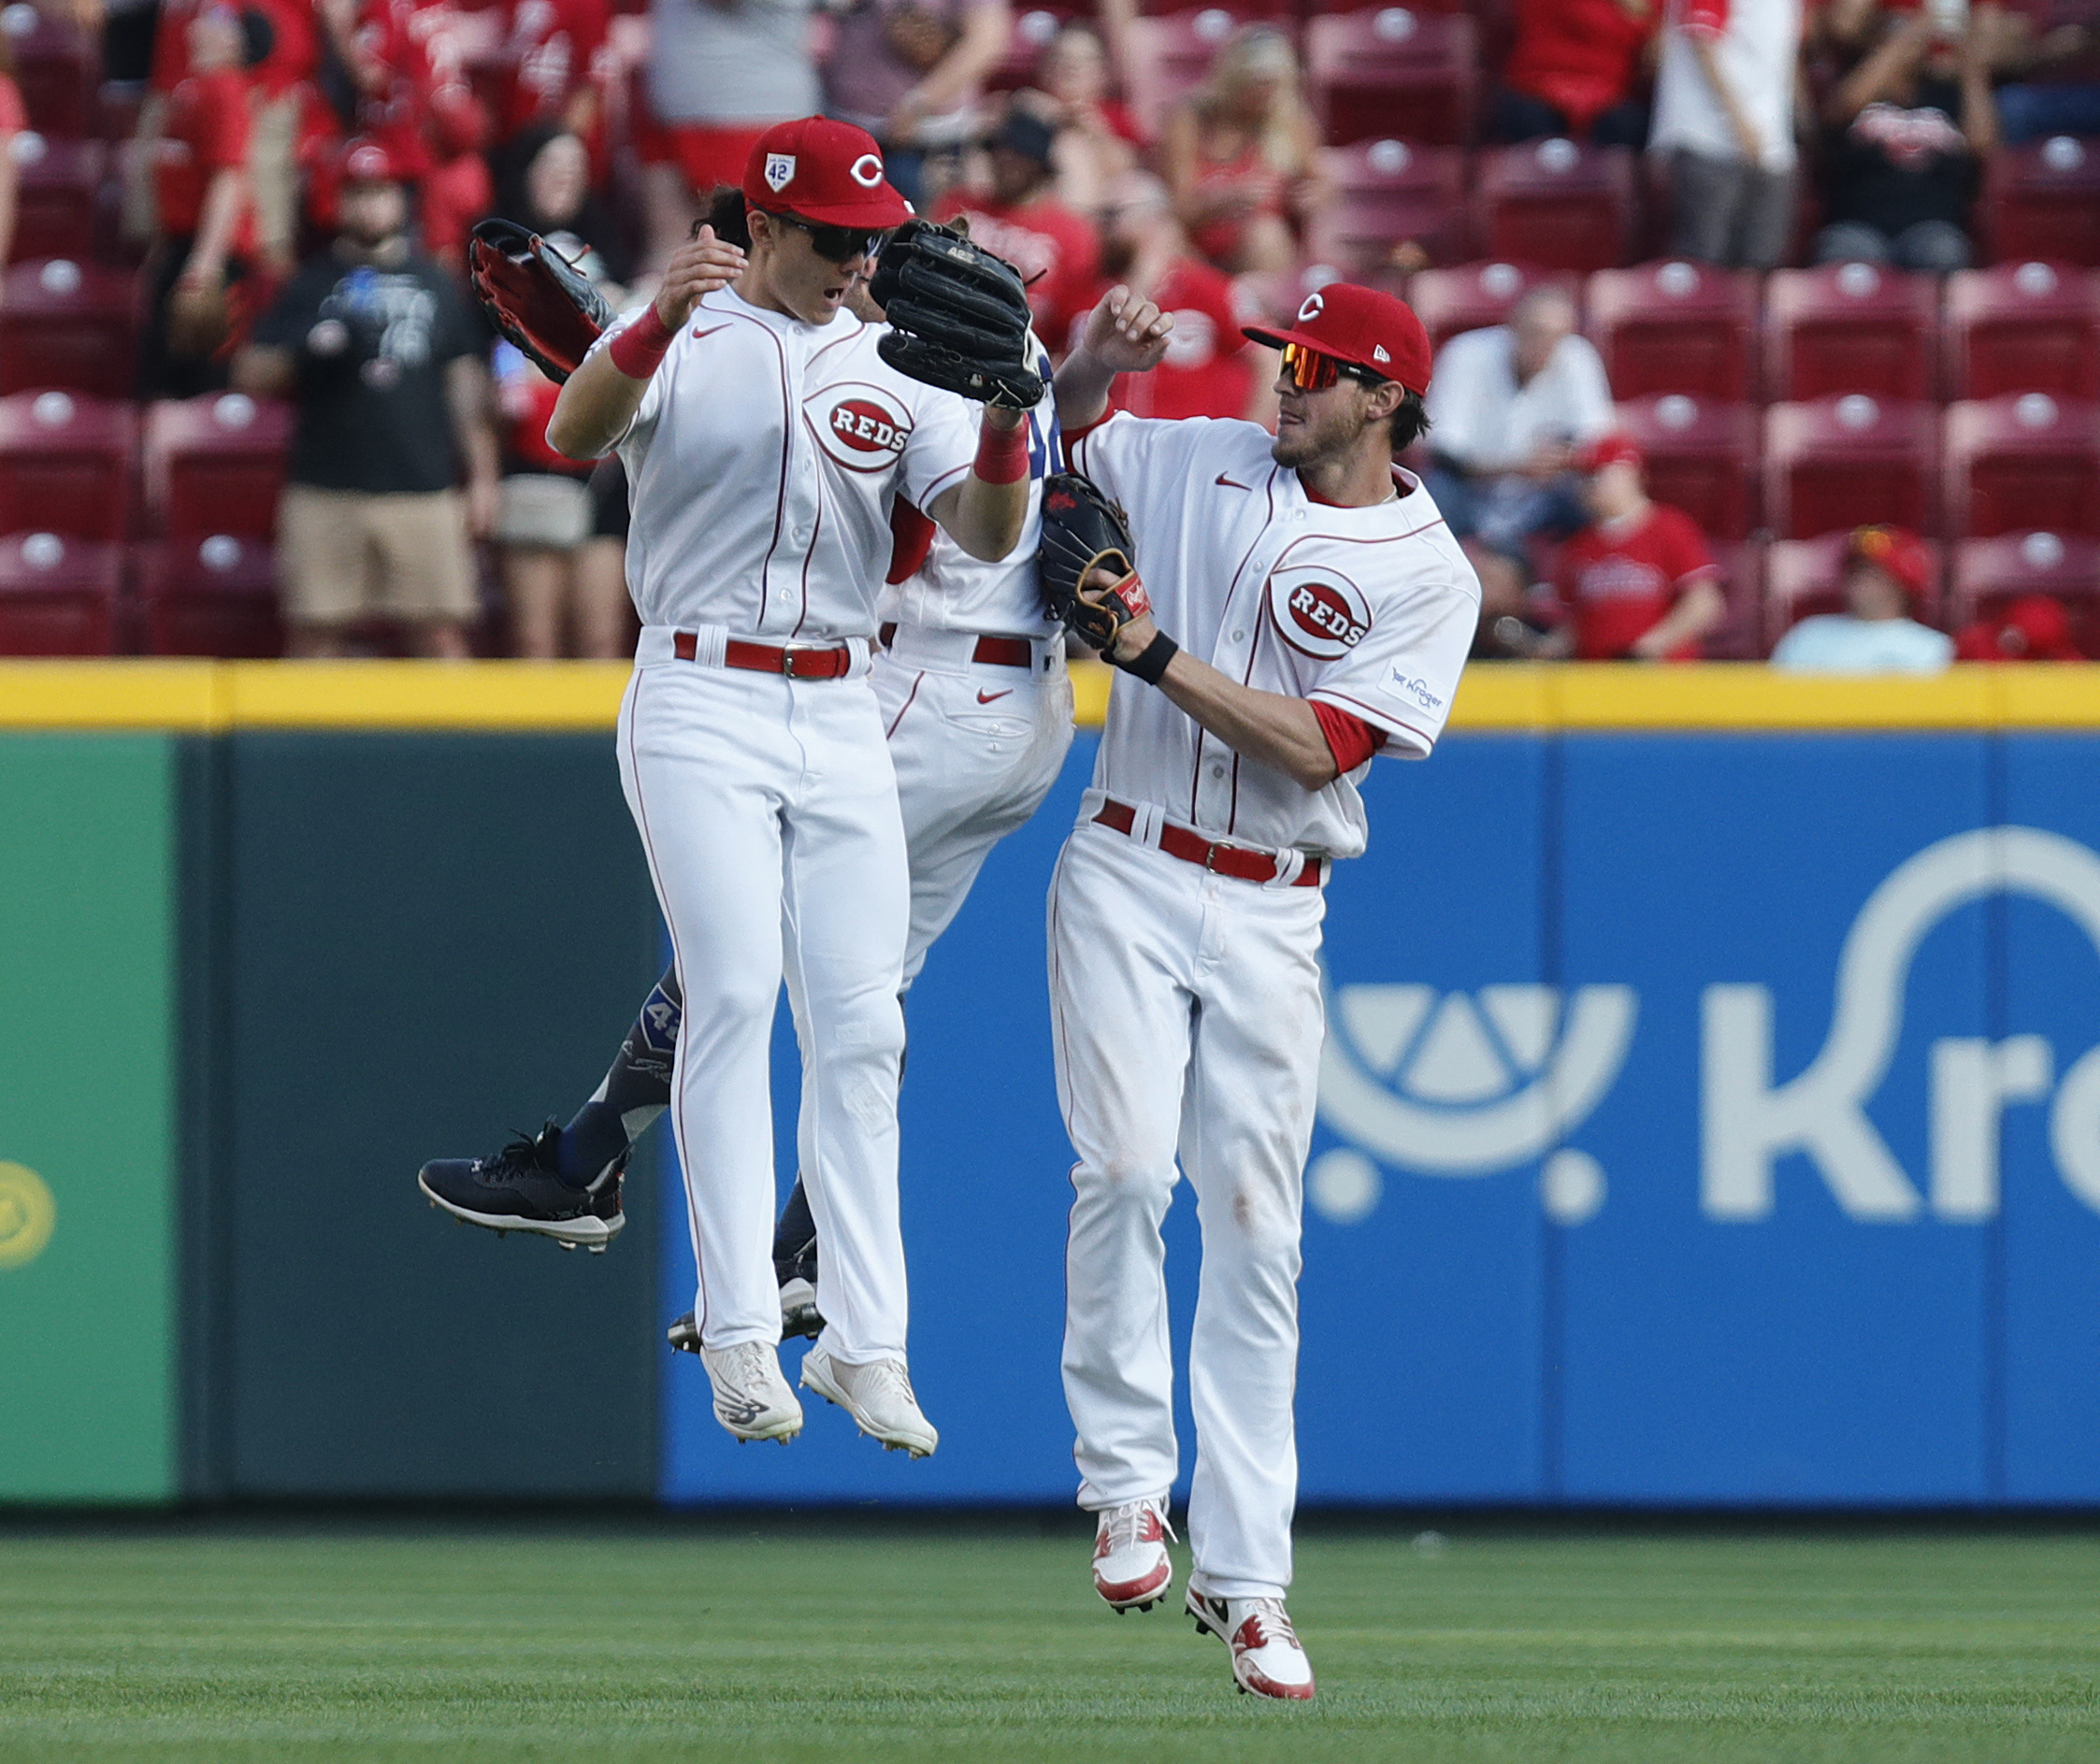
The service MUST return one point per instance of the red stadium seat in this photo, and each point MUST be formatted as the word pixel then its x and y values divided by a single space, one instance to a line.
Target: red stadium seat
pixel 1849 327
pixel 58 596
pixel 1388 191
pixel 1675 327
pixel 1803 577
pixel 215 596
pixel 2026 460
pixel 66 465
pixel 58 69
pixel 1169 58
pixel 68 324
pixel 215 464
pixel 1472 296
pixel 1989 575
pixel 1395 71
pixel 1740 635
pixel 2043 201
pixel 55 191
pixel 1835 463
pixel 1558 205
pixel 1702 457
pixel 2023 327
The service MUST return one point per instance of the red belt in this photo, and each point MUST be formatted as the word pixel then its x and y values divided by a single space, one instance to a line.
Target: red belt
pixel 1227 860
pixel 806 661
pixel 996 652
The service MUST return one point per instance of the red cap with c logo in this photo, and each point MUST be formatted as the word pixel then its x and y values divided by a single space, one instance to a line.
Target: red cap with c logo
pixel 823 171
pixel 1360 326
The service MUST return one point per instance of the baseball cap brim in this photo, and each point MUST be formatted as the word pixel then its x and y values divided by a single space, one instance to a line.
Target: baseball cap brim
pixel 882 206
pixel 1276 340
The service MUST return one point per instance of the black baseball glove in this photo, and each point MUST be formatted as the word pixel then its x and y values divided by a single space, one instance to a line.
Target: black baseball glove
pixel 535 296
pixel 1084 531
pixel 958 316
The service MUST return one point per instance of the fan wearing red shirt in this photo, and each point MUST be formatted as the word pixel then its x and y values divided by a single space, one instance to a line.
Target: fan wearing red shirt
pixel 549 55
pixel 1057 252
pixel 1639 584
pixel 1576 68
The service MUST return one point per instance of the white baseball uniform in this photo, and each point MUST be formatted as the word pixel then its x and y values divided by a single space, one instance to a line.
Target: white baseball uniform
pixel 761 464
pixel 1186 1002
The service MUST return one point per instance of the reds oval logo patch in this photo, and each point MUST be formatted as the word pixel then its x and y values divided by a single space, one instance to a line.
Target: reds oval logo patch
pixel 1318 612
pixel 860 426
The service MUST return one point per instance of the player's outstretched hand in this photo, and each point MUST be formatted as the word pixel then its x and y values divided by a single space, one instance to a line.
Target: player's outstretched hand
pixel 698 266
pixel 1126 334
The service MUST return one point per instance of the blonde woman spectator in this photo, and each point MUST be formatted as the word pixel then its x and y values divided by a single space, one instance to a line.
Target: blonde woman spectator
pixel 1242 155
pixel 1098 141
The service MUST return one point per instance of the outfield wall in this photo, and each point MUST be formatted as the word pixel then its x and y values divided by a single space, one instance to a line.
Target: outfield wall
pixel 1711 1113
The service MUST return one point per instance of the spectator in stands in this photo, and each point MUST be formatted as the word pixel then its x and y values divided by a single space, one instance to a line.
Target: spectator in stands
pixel 2034 628
pixel 1097 140
pixel 1887 571
pixel 1724 120
pixel 546 185
pixel 2052 87
pixel 720 75
pixel 1017 215
pixel 1909 129
pixel 910 72
pixel 1576 69
pixel 552 51
pixel 1510 407
pixel 1638 583
pixel 1240 156
pixel 375 344
pixel 206 232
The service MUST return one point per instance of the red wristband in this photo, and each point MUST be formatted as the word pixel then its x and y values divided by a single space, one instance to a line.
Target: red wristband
pixel 638 350
pixel 1002 455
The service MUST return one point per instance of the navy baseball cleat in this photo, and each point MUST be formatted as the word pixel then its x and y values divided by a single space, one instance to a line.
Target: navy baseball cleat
pixel 522 1189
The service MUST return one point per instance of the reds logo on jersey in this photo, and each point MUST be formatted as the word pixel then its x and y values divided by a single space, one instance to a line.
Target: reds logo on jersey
pixel 1318 612
pixel 860 426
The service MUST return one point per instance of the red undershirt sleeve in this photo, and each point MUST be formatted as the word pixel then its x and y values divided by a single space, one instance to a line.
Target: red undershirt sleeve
pixel 1349 737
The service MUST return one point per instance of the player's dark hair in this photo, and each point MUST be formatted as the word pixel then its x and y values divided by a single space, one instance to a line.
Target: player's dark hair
pixel 725 214
pixel 1410 422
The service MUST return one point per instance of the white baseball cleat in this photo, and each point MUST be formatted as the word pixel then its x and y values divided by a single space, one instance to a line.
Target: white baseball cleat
pixel 1267 1656
pixel 878 1396
pixel 750 1397
pixel 1132 1569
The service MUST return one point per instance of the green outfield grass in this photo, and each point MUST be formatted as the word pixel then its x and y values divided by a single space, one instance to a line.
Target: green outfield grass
pixel 981 1641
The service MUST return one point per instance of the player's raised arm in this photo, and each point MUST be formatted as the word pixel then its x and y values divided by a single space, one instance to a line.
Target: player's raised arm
pixel 1124 335
pixel 602 395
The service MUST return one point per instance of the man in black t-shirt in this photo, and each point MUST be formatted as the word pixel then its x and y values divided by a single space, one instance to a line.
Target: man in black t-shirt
pixel 384 359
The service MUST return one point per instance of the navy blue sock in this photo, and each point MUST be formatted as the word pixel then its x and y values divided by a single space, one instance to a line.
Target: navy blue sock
pixel 636 1090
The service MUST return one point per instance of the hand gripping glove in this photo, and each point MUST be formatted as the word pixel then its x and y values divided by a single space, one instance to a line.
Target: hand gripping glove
pixel 1082 531
pixel 534 296
pixel 958 317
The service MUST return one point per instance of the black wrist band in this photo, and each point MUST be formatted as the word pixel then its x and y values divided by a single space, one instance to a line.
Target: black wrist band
pixel 1150 663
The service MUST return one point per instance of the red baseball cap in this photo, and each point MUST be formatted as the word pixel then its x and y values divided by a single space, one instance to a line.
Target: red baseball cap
pixel 1612 449
pixel 823 171
pixel 1896 549
pixel 1363 327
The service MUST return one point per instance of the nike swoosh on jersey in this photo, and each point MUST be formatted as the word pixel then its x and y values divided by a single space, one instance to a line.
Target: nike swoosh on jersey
pixel 989 698
pixel 711 330
pixel 1230 483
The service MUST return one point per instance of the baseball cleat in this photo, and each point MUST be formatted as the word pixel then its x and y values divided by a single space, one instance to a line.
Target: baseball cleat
pixel 1267 1656
pixel 878 1396
pixel 522 1189
pixel 1132 1569
pixel 750 1397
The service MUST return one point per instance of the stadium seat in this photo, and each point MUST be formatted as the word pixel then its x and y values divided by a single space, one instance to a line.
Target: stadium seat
pixel 2022 461
pixel 1393 71
pixel 1033 27
pixel 1558 205
pixel 2043 201
pixel 68 324
pixel 58 596
pixel 1849 327
pixel 1472 295
pixel 215 464
pixel 1803 577
pixel 58 69
pixel 1740 635
pixel 66 465
pixel 215 596
pixel 1835 463
pixel 55 186
pixel 1702 457
pixel 1675 327
pixel 1387 192
pixel 2023 327
pixel 1989 575
pixel 1168 57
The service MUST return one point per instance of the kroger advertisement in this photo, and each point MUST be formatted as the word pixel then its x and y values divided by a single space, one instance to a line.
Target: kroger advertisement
pixel 1705 1119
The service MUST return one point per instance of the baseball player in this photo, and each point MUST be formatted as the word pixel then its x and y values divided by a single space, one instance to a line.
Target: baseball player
pixel 1320 613
pixel 972 693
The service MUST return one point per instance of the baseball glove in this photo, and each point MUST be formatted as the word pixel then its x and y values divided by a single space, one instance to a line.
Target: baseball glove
pixel 958 316
pixel 1082 531
pixel 534 296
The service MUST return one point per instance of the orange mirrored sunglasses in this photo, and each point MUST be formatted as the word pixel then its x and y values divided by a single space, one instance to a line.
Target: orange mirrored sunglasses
pixel 1311 371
